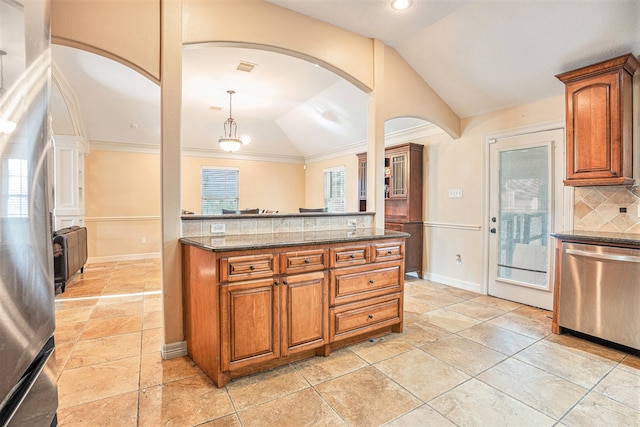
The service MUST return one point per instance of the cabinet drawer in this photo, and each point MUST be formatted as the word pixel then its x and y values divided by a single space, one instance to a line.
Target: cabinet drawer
pixel 356 283
pixel 353 319
pixel 248 267
pixel 353 255
pixel 387 252
pixel 303 261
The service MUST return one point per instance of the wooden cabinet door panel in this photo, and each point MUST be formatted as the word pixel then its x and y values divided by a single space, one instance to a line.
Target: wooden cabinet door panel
pixel 303 261
pixel 304 306
pixel 250 323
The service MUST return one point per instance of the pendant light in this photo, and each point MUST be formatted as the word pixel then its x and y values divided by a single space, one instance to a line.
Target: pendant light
pixel 230 141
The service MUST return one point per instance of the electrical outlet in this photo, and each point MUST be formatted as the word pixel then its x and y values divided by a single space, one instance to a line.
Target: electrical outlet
pixel 143 240
pixel 351 223
pixel 455 193
pixel 217 228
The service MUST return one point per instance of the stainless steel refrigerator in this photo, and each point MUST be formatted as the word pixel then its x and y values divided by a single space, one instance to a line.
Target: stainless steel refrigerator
pixel 28 394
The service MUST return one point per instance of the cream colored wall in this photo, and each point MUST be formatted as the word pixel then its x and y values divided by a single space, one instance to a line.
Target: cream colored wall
pixel 263 185
pixel 314 181
pixel 455 226
pixel 108 28
pixel 122 204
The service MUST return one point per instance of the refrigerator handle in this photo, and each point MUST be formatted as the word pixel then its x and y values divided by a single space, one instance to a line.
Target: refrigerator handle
pixel 44 263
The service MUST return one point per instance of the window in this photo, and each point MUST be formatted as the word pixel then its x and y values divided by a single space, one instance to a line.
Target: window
pixel 334 189
pixel 16 183
pixel 219 189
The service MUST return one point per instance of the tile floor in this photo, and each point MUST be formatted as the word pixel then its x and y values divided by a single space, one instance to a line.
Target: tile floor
pixel 463 359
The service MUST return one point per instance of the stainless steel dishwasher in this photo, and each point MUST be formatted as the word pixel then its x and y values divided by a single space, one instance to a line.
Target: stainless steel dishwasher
pixel 600 292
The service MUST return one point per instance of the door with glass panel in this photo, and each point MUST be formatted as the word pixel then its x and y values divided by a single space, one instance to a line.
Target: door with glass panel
pixel 525 205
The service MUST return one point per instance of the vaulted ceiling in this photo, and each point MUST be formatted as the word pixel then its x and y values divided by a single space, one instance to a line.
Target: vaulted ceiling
pixel 479 56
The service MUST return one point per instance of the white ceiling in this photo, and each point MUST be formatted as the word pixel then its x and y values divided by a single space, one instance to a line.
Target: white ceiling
pixel 478 55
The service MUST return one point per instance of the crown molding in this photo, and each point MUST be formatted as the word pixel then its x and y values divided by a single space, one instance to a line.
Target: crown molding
pixel 70 99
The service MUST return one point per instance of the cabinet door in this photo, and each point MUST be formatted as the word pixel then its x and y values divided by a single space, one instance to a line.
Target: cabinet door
pixel 250 323
pixel 398 184
pixel 305 309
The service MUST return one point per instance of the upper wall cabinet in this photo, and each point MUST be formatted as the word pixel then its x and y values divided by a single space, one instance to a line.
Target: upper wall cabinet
pixel 599 113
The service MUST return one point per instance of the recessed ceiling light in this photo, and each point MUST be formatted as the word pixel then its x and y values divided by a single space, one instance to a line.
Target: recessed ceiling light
pixel 400 4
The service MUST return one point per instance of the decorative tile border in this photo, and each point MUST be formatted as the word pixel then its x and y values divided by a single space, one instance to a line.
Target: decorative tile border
pixel 197 226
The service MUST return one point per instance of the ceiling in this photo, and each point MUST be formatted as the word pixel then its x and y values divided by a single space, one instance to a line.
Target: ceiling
pixel 479 56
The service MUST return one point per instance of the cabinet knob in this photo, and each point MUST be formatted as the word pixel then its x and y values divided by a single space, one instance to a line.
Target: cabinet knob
pixel 389 252
pixel 284 282
pixel 352 256
pixel 251 267
pixel 370 316
pixel 276 283
pixel 371 281
pixel 306 261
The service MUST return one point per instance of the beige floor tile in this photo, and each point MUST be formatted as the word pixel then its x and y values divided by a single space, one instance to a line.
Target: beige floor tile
pixel 228 421
pixel 186 402
pixel 63 351
pixel 419 304
pixel 66 332
pixel 424 415
pixel 117 411
pixel 367 397
pixel 422 374
pixel 95 382
pixel 553 358
pixel 152 303
pixel 441 299
pixel 155 371
pixel 468 356
pixel 542 391
pixel 64 302
pixel 100 350
pixel 265 386
pixel 381 348
pixel 586 348
pixel 450 320
pixel 105 300
pixel 459 293
pixel 502 304
pixel 152 340
pixel 302 408
pixel 123 287
pixel 115 309
pixel 599 411
pixel 477 404
pixel 84 289
pixel 152 320
pixel 621 386
pixel 476 310
pixel 418 331
pixel 108 326
pixel 497 338
pixel 523 325
pixel 320 369
pixel 73 315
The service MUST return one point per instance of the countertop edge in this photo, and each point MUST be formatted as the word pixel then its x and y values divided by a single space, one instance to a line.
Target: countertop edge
pixel 599 237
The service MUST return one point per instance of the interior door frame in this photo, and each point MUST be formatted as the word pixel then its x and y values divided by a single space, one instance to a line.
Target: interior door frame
pixel 567 203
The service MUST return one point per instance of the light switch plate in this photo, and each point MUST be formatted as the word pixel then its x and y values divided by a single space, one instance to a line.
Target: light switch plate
pixel 217 228
pixel 455 193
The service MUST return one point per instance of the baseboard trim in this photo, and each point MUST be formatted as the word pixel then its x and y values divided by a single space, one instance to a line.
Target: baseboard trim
pixel 174 349
pixel 130 257
pixel 456 283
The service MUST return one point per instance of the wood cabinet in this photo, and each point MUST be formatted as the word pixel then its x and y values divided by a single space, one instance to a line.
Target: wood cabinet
pixel 599 121
pixel 245 311
pixel 403 203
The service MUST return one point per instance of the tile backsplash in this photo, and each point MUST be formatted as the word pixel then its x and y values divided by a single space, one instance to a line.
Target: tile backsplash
pixel 598 208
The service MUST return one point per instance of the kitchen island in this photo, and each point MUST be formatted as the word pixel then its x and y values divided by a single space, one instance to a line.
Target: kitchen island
pixel 259 300
pixel 596 288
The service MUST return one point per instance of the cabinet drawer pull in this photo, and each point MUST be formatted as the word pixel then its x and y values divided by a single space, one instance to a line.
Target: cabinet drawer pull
pixel 306 261
pixel 371 316
pixel 352 256
pixel 284 282
pixel 251 267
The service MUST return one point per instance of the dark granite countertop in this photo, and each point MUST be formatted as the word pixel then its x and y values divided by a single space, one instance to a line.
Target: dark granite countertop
pixel 599 237
pixel 231 242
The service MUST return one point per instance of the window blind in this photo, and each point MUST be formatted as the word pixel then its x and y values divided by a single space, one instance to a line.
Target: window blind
pixel 219 189
pixel 335 189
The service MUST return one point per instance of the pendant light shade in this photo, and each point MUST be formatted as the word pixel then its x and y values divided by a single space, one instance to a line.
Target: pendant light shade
pixel 230 141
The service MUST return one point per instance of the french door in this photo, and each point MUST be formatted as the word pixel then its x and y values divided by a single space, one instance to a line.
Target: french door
pixel 525 205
